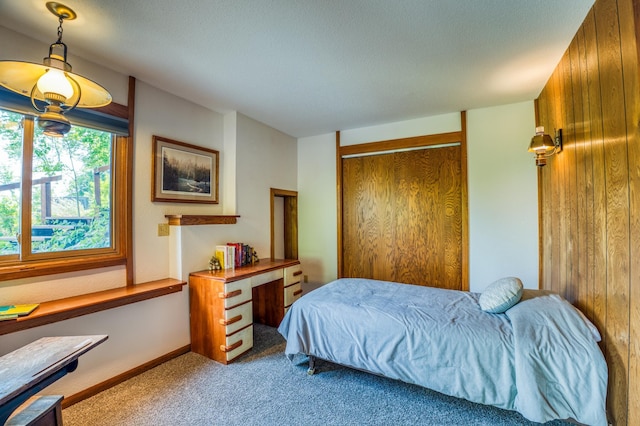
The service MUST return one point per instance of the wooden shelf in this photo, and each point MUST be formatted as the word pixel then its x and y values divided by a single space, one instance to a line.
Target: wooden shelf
pixel 185 219
pixel 71 307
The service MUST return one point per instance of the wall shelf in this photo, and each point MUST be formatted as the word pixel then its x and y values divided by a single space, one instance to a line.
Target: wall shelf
pixel 75 306
pixel 186 220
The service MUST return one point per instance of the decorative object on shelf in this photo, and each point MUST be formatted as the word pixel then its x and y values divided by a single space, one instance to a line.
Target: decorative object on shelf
pixel 214 264
pixel 183 173
pixel 52 84
pixel 254 256
pixel 244 254
pixel 226 256
pixel 543 146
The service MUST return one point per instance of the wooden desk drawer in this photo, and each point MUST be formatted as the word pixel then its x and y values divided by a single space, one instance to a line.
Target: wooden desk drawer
pixel 237 318
pixel 238 343
pixel 267 277
pixel 292 275
pixel 292 293
pixel 236 293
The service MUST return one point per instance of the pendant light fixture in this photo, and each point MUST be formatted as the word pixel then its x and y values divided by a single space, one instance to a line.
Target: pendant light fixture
pixel 53 83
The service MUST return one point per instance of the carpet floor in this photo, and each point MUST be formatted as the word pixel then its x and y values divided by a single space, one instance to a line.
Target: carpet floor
pixel 264 388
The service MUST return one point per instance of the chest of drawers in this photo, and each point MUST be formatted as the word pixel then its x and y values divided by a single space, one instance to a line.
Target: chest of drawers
pixel 225 304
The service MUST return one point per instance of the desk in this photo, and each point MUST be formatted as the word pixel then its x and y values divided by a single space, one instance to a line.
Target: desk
pixel 26 371
pixel 224 305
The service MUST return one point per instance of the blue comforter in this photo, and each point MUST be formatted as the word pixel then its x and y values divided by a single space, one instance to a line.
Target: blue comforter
pixel 539 358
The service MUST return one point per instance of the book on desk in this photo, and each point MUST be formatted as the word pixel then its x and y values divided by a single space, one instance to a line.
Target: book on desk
pixel 9 312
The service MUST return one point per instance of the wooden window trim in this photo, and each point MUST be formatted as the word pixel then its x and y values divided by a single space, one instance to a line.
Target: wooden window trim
pixel 121 252
pixel 35 265
pixel 72 307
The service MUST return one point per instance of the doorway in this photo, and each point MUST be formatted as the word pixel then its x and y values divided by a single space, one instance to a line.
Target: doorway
pixel 284 223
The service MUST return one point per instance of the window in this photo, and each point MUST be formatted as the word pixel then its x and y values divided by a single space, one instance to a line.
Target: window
pixel 62 200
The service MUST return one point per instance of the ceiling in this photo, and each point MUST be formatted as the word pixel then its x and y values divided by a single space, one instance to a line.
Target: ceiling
pixel 309 67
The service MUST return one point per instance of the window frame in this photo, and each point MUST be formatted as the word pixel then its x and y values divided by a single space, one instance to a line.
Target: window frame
pixel 12 267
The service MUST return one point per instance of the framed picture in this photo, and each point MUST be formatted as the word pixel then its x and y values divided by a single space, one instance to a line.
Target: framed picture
pixel 183 173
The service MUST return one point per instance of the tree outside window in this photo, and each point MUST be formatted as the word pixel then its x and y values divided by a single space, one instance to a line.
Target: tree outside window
pixel 60 189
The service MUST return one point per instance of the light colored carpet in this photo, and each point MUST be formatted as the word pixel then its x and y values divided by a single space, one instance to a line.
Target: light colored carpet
pixel 264 388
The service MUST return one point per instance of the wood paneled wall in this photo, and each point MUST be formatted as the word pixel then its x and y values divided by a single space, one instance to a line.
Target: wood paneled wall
pixel 590 192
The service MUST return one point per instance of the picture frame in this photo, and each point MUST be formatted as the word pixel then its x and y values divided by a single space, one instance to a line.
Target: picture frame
pixel 183 173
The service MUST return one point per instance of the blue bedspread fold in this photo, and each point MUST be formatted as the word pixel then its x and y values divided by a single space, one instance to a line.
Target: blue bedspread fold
pixel 560 370
pixel 442 340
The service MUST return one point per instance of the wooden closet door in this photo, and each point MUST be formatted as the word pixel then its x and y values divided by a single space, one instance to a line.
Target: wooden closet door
pixel 402 217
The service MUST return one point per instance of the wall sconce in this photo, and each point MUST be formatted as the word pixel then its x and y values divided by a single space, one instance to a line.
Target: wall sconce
pixel 543 146
pixel 53 82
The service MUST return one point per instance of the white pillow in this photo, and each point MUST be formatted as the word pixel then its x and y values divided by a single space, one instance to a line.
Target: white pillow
pixel 501 295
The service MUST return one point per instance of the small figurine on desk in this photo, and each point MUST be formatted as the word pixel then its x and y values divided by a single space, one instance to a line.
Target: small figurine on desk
pixel 254 256
pixel 214 264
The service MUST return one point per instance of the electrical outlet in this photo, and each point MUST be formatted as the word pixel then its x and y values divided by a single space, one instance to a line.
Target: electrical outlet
pixel 305 278
pixel 163 230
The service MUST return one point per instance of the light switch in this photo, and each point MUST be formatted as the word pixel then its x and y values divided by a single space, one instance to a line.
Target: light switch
pixel 163 230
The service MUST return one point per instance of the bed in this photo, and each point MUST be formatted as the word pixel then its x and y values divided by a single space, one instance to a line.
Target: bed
pixel 540 357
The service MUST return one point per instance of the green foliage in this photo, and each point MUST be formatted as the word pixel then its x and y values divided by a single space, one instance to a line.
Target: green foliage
pixel 10 156
pixel 11 134
pixel 78 236
pixel 8 208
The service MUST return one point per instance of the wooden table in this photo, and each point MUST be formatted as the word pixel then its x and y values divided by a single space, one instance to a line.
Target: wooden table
pixel 29 369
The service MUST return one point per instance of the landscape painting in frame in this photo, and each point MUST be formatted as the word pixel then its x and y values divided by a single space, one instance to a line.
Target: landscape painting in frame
pixel 184 173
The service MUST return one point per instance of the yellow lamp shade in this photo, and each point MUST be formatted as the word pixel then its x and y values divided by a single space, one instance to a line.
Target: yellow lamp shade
pixel 22 78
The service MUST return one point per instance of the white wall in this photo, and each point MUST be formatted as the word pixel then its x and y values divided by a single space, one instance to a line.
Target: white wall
pixel 267 159
pixel 402 129
pixel 317 209
pixel 146 330
pixel 502 192
pixel 159 113
pixel 503 195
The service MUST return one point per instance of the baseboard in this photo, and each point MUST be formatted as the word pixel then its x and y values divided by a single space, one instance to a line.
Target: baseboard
pixel 94 390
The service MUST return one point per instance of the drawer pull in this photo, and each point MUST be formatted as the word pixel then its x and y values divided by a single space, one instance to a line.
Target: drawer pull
pixel 230 321
pixel 229 348
pixel 229 295
pixel 297 292
pixel 296 273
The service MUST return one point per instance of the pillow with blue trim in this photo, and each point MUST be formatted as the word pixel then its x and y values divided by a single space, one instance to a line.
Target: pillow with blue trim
pixel 501 295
